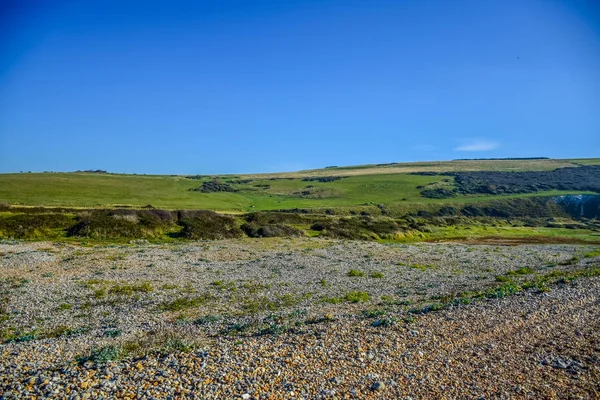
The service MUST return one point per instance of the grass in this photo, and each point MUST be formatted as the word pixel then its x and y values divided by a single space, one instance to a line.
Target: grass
pixel 184 303
pixel 592 254
pixel 362 185
pixel 422 267
pixel 263 303
pixel 482 233
pixel 521 271
pixel 383 202
pixel 128 289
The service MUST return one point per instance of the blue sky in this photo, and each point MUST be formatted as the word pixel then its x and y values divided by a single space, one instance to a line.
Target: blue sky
pixel 229 86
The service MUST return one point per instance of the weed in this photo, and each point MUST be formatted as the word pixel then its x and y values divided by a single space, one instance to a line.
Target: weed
pixel 167 286
pixel 65 306
pixel 112 332
pixel 422 267
pixel 384 322
pixel 377 275
pixel 207 319
pixel 373 313
pixel 184 303
pixel 357 297
pixel 591 254
pixel 102 355
pixel 332 300
pixel 521 271
pixel 129 289
pixel 355 273
pixel 265 304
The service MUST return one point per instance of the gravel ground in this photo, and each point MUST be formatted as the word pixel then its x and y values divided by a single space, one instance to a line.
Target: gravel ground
pixel 62 301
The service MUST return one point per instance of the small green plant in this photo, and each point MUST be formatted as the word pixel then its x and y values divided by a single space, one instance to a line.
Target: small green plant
pixel 112 332
pixel 129 289
pixel 168 286
pixel 102 355
pixel 502 278
pixel 373 313
pixel 591 254
pixel 224 285
pixel 355 273
pixel 357 297
pixel 331 300
pixel 184 303
pixel 422 267
pixel 324 283
pixel 263 303
pixel 521 271
pixel 65 331
pixel 65 306
pixel 207 319
pixel 377 275
pixel 384 322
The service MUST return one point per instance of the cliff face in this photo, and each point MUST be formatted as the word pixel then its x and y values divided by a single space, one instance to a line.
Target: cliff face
pixel 580 206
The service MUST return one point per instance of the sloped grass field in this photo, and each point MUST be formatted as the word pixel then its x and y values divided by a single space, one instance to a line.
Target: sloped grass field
pixel 392 185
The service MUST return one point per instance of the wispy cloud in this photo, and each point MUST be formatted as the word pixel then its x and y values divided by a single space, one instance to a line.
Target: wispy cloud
pixel 478 145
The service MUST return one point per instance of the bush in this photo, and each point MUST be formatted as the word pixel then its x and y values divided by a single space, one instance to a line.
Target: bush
pixel 322 178
pixel 113 224
pixel 102 355
pixel 355 273
pixel 208 225
pixel 357 297
pixel 272 230
pixel 214 186
pixel 364 227
pixel 34 226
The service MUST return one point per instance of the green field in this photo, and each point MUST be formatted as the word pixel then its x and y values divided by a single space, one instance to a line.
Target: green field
pixel 391 185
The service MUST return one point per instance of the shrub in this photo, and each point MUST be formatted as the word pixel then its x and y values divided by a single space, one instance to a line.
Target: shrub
pixel 521 271
pixel 438 193
pixel 214 186
pixel 208 225
pixel 114 224
pixel 34 226
pixel 271 230
pixel 102 355
pixel 355 273
pixel 378 275
pixel 322 178
pixel 356 297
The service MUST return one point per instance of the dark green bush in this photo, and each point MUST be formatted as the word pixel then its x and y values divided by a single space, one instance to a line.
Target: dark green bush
pixel 114 224
pixel 34 226
pixel 271 230
pixel 356 227
pixel 208 225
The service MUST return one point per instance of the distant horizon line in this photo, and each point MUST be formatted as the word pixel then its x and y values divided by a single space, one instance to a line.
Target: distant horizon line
pixel 333 167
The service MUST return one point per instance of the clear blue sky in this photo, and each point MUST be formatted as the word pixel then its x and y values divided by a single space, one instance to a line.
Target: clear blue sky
pixel 228 86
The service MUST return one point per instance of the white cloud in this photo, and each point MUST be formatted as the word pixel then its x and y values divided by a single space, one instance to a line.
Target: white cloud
pixel 478 145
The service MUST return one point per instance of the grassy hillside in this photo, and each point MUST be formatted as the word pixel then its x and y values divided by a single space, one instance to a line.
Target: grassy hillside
pixel 391 184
